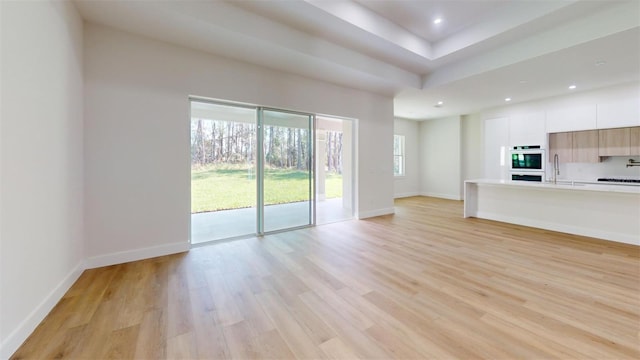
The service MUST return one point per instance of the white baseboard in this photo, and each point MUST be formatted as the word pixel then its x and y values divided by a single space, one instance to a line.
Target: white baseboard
pixel 374 213
pixel 442 196
pixel 406 194
pixel 29 324
pixel 136 254
pixel 595 233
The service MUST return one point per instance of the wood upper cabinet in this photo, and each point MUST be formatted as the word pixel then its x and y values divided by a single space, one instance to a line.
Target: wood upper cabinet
pixel 585 146
pixel 589 146
pixel 634 141
pixel 561 144
pixel 574 147
pixel 614 142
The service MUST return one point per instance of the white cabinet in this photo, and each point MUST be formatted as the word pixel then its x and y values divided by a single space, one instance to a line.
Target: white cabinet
pixel 571 118
pixel 527 129
pixel 619 113
pixel 496 151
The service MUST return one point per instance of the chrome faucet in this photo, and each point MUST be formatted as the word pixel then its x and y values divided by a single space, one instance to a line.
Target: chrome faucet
pixel 633 163
pixel 556 168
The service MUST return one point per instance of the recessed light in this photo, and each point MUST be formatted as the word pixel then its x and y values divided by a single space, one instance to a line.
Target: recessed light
pixel 600 62
pixel 437 21
pixel 523 81
pixel 571 87
pixel 507 99
pixel 439 104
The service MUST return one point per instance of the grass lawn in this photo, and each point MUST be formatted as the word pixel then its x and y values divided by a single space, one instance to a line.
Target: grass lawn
pixel 214 188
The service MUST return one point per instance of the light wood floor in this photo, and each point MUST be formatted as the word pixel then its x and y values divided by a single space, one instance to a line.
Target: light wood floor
pixel 424 283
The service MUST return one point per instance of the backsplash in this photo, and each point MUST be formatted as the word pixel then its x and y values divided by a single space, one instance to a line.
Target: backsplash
pixel 612 167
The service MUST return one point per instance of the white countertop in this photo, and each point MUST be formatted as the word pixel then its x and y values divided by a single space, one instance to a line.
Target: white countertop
pixel 577 185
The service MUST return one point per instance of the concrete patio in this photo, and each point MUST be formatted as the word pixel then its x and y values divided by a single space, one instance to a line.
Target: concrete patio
pixel 219 225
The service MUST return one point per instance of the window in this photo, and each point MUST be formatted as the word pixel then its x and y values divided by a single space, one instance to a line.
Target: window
pixel 398 155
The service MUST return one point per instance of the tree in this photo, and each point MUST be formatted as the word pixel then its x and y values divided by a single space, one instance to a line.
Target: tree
pixel 339 153
pixel 216 141
pixel 213 141
pixel 299 149
pixel 198 145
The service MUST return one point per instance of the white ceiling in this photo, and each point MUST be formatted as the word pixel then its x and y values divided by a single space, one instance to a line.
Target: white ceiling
pixel 417 16
pixel 481 52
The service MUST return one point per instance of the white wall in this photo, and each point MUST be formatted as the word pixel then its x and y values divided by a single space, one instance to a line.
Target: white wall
pixel 440 162
pixel 41 160
pixel 471 147
pixel 409 184
pixel 137 161
pixel 451 151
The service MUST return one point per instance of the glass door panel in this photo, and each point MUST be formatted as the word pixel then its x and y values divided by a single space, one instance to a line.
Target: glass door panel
pixel 333 169
pixel 223 171
pixel 287 169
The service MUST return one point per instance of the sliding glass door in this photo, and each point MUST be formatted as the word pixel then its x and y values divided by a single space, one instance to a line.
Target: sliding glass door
pixel 251 170
pixel 223 171
pixel 287 169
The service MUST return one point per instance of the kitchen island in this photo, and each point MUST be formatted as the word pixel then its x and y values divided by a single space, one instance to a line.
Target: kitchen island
pixel 604 211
